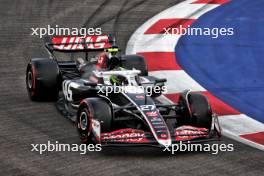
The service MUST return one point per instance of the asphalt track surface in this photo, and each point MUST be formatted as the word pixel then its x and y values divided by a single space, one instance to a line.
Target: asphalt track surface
pixel 24 122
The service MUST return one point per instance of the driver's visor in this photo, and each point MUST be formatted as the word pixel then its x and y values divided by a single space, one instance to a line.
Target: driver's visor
pixel 112 50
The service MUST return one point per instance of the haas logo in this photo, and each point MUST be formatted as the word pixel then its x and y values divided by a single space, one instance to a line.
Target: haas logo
pixel 80 43
pixel 152 114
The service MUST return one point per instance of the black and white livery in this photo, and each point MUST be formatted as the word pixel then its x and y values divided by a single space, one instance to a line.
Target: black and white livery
pixel 112 99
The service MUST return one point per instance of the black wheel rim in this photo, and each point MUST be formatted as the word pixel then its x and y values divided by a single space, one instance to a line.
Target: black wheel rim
pixel 29 80
pixel 83 121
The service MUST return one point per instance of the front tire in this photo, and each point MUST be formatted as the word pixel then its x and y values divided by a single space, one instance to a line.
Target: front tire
pixel 196 110
pixel 83 123
pixel 93 108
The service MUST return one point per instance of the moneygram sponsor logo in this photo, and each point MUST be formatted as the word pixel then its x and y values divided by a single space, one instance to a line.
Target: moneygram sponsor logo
pixel 195 147
pixel 58 147
pixel 57 30
pixel 212 32
pixel 126 137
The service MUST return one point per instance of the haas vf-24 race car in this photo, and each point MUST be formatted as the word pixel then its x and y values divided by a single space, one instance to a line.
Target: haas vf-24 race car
pixel 112 99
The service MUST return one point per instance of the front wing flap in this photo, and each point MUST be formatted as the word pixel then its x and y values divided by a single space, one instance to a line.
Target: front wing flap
pixel 132 137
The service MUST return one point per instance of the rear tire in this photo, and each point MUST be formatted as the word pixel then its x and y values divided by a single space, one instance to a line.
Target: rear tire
pixel 42 80
pixel 93 108
pixel 135 61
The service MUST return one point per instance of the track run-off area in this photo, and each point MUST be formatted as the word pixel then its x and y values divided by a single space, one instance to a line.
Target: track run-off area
pixel 227 69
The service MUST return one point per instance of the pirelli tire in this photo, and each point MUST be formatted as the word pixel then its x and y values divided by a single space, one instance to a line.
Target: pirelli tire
pixel 135 61
pixel 43 79
pixel 196 110
pixel 93 108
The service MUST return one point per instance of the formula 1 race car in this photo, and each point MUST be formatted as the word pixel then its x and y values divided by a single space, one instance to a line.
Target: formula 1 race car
pixel 112 99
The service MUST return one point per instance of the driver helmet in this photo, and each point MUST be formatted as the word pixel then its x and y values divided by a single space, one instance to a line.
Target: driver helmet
pixel 118 80
pixel 108 58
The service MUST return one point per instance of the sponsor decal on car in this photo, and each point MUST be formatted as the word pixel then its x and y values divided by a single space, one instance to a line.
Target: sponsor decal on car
pixel 80 43
pixel 152 114
pixel 156 120
pixel 140 97
pixel 189 132
pixel 125 135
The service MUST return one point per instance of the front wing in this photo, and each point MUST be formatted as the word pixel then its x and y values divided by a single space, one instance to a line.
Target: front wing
pixel 135 137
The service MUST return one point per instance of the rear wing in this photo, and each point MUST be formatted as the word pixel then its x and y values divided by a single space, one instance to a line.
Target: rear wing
pixel 79 43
